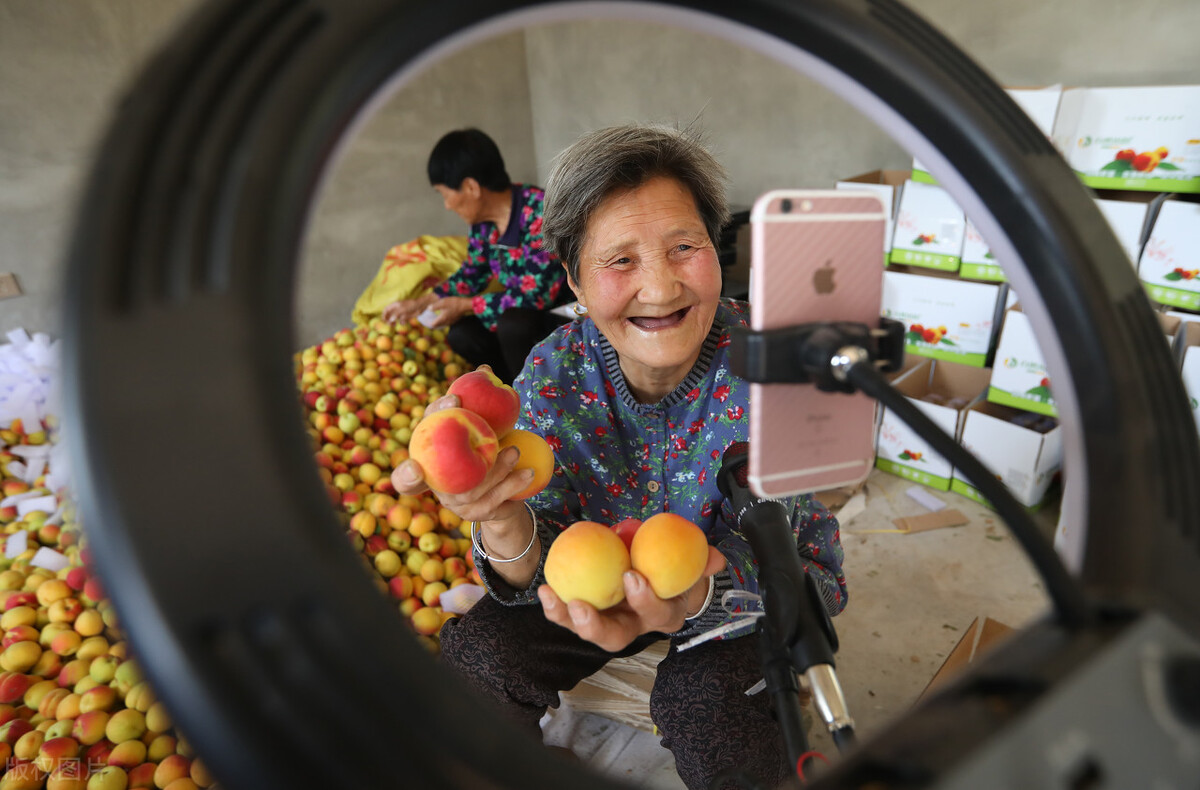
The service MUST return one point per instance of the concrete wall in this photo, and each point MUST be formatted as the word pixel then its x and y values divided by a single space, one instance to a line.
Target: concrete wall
pixel 773 128
pixel 62 63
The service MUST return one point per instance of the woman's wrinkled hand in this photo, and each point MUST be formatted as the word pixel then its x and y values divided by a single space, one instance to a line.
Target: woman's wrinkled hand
pixel 488 501
pixel 641 612
pixel 405 310
pixel 451 308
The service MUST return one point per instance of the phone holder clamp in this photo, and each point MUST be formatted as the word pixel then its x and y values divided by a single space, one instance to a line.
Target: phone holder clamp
pixel 811 353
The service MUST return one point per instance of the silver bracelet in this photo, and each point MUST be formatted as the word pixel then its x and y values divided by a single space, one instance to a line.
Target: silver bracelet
pixel 478 543
pixel 712 585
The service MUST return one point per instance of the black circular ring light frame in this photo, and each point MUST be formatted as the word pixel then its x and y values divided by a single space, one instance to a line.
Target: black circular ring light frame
pixel 208 524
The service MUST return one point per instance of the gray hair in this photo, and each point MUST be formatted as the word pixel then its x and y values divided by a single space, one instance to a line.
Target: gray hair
pixel 625 157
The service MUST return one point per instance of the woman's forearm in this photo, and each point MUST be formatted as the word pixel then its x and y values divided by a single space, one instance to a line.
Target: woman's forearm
pixel 507 538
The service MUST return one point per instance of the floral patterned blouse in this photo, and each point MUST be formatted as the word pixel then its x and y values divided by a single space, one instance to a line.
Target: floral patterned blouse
pixel 529 274
pixel 616 458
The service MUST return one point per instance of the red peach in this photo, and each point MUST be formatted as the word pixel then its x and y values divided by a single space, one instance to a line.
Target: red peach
pixel 174 767
pixel 142 775
pixel 55 752
pixel 20 633
pixel 11 732
pixel 626 529
pixel 13 686
pixel 20 598
pixel 92 590
pixel 98 698
pixel 482 392
pixel 455 448
pixel 89 727
pixel 73 672
pixel 400 587
pixel 76 577
pixel 98 752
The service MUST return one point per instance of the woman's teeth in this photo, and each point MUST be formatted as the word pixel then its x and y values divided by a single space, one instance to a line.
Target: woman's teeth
pixel 650 322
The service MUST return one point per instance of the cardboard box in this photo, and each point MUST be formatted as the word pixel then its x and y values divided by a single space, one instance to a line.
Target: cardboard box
pixel 929 228
pixel 1191 379
pixel 886 184
pixel 1019 377
pixel 946 318
pixel 1127 215
pixel 1137 138
pixel 979 639
pixel 1040 104
pixel 1169 267
pixel 1175 332
pixel 978 263
pixel 1026 460
pixel 1129 220
pixel 1187 351
pixel 900 450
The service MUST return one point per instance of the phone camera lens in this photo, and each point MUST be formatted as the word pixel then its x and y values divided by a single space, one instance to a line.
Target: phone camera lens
pixel 786 205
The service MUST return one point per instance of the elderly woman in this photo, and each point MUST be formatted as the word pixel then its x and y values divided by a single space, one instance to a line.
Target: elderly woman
pixel 638 403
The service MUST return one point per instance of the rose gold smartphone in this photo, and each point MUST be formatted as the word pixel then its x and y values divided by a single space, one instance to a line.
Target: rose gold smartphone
pixel 814 257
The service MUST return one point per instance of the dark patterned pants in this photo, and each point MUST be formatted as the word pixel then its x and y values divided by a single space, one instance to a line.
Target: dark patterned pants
pixel 520 660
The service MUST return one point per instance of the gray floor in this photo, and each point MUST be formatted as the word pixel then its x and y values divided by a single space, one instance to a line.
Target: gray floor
pixel 911 598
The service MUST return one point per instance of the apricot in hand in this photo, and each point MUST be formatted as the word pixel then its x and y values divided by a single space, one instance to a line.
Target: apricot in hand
pixel 587 562
pixel 535 454
pixel 455 448
pixel 671 552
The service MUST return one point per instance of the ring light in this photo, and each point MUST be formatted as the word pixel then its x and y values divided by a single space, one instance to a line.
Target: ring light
pixel 208 523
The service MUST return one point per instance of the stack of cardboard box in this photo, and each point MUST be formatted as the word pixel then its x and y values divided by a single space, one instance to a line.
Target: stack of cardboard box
pixel 986 381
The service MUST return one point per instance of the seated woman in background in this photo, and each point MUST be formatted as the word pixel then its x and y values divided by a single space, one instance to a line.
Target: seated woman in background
pixel 492 327
pixel 638 402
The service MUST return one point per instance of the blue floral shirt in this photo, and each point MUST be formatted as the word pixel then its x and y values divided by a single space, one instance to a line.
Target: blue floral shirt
pixel 529 274
pixel 616 458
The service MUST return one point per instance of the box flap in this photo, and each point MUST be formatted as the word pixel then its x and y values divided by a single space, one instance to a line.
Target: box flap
pixel 978 640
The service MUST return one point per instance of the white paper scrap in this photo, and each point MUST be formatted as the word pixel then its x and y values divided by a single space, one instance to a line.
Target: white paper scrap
pixel 18 337
pixel 46 504
pixel 853 507
pixel 460 599
pixel 28 451
pixel 49 559
pixel 16 544
pixel 15 498
pixel 427 317
pixel 923 497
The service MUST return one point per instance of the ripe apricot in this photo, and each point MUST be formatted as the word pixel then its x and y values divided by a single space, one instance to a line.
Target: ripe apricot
pixel 535 454
pixel 670 552
pixel 587 562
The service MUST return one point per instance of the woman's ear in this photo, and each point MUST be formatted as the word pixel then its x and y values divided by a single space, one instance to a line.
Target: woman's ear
pixel 574 286
pixel 470 187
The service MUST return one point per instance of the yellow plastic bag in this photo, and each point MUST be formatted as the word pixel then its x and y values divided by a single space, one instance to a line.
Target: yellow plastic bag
pixel 409 270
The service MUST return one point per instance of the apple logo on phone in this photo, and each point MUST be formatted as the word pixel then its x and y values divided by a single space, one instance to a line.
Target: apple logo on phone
pixel 823 279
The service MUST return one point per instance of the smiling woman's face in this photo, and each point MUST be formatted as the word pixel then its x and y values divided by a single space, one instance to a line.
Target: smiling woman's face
pixel 650 279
